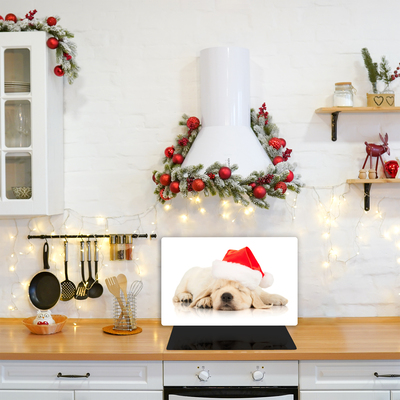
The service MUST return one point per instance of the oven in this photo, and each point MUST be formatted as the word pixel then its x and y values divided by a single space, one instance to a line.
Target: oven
pixel 208 380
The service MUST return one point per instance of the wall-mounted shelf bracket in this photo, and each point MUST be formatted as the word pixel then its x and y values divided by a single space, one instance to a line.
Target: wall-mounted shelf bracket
pixel 367 191
pixel 335 117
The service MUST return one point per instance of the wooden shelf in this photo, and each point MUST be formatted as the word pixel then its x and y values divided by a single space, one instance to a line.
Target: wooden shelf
pixel 367 187
pixel 384 180
pixel 330 110
pixel 335 111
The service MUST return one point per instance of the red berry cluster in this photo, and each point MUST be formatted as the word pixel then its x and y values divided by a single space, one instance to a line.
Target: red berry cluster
pixel 183 142
pixel 286 154
pixel 396 73
pixel 211 176
pixel 189 184
pixel 263 113
pixel 30 15
pixel 265 179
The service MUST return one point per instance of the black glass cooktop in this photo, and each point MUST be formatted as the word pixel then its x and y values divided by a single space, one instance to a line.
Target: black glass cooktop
pixel 230 338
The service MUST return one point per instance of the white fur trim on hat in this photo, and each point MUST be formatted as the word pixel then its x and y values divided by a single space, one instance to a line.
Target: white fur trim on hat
pixel 267 280
pixel 237 272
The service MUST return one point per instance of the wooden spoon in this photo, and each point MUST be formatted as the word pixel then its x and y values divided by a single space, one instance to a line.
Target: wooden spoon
pixel 123 284
pixel 115 290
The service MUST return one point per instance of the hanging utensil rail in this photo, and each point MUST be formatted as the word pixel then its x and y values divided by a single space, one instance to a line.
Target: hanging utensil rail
pixel 134 236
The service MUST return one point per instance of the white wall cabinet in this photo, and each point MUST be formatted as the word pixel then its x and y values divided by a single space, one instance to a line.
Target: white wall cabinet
pixel 31 127
pixel 345 380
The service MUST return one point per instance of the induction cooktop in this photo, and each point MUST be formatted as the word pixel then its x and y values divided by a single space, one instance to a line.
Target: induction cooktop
pixel 230 338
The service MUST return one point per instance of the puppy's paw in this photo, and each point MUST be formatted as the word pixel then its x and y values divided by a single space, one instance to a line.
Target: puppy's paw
pixel 184 297
pixel 205 302
pixel 277 300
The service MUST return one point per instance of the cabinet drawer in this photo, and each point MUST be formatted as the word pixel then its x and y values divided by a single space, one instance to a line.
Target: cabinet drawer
pixel 118 395
pixel 349 375
pixel 35 395
pixel 346 395
pixel 122 375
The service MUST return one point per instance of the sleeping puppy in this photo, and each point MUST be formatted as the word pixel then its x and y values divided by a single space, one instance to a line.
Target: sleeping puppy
pixel 202 290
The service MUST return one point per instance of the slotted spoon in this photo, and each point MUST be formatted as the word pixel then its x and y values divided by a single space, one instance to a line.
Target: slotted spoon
pixel 68 288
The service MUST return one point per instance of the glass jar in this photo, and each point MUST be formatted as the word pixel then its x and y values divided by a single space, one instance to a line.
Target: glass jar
pixel 113 247
pixel 343 95
pixel 128 247
pixel 120 247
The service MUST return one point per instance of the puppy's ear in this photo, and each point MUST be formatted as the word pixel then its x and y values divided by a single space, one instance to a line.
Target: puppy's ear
pixel 205 293
pixel 257 302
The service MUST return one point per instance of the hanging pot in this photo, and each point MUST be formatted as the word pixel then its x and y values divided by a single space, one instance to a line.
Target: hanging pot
pixel 44 288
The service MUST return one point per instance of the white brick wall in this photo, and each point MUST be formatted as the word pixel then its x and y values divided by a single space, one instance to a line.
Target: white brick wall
pixel 139 74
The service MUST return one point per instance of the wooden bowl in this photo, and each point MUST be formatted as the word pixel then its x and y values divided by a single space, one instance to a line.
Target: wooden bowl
pixel 60 321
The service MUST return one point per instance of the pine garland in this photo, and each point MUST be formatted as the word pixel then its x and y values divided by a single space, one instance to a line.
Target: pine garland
pixel 65 47
pixel 237 187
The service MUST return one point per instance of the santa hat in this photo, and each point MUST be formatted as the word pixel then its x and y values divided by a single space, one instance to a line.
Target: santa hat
pixel 242 266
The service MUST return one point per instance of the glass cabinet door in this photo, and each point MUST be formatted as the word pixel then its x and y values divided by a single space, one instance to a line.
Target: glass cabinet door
pixel 16 130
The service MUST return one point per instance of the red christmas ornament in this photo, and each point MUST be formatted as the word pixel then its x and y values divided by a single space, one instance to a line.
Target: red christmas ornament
pixel 1 18
pixel 58 70
pixel 154 179
pixel 259 192
pixel 193 123
pixel 289 177
pixel 165 179
pixel 177 159
pixel 253 185
pixel 52 43
pixel 169 151
pixel 277 160
pixel 275 143
pixel 67 56
pixel 11 17
pixel 183 142
pixel 281 185
pixel 225 173
pixel 283 142
pixel 164 198
pixel 51 21
pixel 174 187
pixel 198 185
pixel 391 168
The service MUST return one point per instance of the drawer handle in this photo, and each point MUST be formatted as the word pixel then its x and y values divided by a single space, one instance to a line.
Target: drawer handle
pixel 60 375
pixel 386 376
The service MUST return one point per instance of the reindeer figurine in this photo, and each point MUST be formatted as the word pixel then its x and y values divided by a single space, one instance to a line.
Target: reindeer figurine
pixel 376 150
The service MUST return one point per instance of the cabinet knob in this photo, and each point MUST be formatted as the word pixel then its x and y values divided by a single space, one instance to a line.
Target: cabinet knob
pixel 204 375
pixel 258 375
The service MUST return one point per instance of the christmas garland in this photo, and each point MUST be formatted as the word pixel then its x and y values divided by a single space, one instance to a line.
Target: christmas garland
pixel 65 48
pixel 218 178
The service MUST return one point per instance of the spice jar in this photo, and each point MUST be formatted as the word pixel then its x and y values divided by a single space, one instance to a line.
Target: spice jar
pixel 120 247
pixel 113 247
pixel 128 247
pixel 343 95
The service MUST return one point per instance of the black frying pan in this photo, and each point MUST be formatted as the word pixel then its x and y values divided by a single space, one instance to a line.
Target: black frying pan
pixel 45 288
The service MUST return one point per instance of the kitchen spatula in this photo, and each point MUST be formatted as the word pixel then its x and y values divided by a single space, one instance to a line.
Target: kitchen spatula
pixel 81 291
pixel 68 288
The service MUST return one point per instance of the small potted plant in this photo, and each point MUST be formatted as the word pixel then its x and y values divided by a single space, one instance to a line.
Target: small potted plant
pixel 377 73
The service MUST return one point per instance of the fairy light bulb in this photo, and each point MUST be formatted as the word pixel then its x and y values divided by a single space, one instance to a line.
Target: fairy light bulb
pixel 167 207
pixel 325 235
pixel 202 210
pixel 184 217
pixel 12 268
pixel 325 264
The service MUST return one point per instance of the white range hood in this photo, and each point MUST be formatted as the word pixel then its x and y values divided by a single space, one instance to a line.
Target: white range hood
pixel 226 135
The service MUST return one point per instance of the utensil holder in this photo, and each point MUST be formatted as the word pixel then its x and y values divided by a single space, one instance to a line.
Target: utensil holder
pixel 125 317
